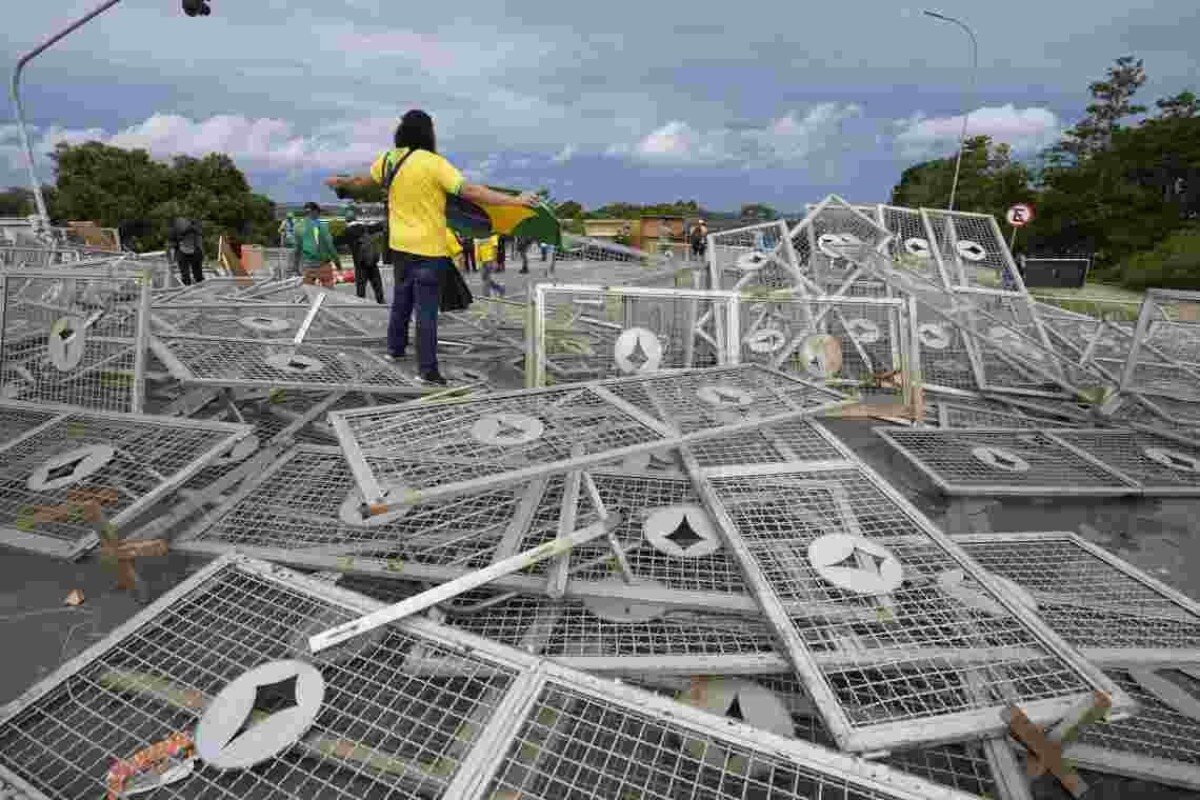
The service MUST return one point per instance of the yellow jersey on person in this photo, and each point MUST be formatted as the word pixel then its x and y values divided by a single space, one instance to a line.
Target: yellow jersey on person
pixel 486 249
pixel 417 201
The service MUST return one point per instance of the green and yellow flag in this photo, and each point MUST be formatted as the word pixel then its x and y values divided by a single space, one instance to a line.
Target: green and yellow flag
pixel 481 221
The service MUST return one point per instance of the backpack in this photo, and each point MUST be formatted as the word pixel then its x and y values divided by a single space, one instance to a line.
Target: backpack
pixel 389 175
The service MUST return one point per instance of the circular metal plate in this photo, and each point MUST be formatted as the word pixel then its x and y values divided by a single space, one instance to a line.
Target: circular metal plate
pixel 351 512
pixel 971 251
pixel 855 564
pixel 294 363
pixel 507 430
pixel 263 324
pixel 1173 459
pixel 1011 340
pixel 822 355
pixel 741 700
pixel 684 531
pixel 934 336
pixel 638 350
pixel 221 741
pixel 1001 459
pixel 968 591
pixel 865 331
pixel 614 609
pixel 239 453
pixel 766 340
pixel 832 244
pixel 70 467
pixel 725 396
pixel 66 344
pixel 751 262
pixel 916 246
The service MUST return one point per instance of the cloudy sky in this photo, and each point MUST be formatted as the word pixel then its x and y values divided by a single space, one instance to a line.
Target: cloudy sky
pixel 727 103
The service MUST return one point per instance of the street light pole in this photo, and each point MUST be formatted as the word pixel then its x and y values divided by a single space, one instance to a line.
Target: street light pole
pixel 15 90
pixel 962 138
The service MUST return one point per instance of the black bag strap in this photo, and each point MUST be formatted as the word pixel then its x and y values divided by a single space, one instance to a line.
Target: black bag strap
pixel 389 173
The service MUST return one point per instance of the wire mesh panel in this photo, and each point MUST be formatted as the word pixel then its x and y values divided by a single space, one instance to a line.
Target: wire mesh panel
pixel 982 414
pixel 899 637
pixel 798 440
pixel 411 711
pixel 777 702
pixel 243 320
pixel 591 332
pixel 380 730
pixel 833 242
pixel 620 264
pixel 1159 466
pixel 1161 742
pixel 912 246
pixel 225 362
pixel 119 463
pixel 410 452
pixel 586 739
pixel 703 400
pixel 1164 359
pixel 753 258
pixel 860 342
pixel 303 510
pixel 973 250
pixel 400 455
pixel 995 462
pixel 1098 602
pixel 71 338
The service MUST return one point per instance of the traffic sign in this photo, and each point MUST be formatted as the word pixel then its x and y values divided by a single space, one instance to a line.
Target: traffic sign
pixel 1020 215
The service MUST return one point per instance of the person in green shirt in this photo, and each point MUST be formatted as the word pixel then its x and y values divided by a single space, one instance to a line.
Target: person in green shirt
pixel 314 249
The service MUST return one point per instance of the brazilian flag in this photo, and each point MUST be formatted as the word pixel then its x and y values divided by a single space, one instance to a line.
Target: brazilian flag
pixel 520 222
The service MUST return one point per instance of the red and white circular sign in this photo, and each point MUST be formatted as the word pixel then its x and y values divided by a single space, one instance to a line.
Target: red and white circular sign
pixel 1020 215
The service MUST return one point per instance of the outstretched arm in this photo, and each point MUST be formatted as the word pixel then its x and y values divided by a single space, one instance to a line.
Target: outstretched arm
pixel 482 194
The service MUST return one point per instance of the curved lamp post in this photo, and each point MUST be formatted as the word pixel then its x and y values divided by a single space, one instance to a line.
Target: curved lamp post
pixel 962 138
pixel 15 89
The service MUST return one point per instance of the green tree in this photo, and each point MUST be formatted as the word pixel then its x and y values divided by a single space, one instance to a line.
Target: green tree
pixel 568 209
pixel 1112 101
pixel 1173 263
pixel 1184 105
pixel 16 201
pixel 128 190
pixel 989 181
pixel 758 211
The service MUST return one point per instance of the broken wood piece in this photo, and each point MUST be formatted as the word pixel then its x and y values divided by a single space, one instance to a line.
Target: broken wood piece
pixel 1046 749
pixel 474 580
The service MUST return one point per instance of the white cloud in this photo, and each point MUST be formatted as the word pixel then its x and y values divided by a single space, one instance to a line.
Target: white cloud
pixel 261 143
pixel 790 139
pixel 1024 129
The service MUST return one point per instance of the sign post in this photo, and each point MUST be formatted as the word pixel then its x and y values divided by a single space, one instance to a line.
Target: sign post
pixel 1018 216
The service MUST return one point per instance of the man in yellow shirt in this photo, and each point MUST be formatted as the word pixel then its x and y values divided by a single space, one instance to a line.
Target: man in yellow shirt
pixel 417 181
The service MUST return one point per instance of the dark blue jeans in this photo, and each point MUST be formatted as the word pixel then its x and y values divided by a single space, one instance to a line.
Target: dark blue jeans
pixel 418 285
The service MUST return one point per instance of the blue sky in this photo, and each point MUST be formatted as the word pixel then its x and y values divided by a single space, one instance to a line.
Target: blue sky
pixel 758 101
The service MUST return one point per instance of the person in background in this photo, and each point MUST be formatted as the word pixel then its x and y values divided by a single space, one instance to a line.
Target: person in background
pixel 487 254
pixel 467 245
pixel 186 246
pixel 366 259
pixel 420 254
pixel 287 231
pixel 699 239
pixel 502 252
pixel 523 245
pixel 314 256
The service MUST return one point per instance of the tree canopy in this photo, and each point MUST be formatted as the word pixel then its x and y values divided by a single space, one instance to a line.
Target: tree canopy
pixel 129 190
pixel 1121 185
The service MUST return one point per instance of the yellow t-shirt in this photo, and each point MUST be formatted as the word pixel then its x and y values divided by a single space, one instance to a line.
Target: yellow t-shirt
pixel 417 201
pixel 485 249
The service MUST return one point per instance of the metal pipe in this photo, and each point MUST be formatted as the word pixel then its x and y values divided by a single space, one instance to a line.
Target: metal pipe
pixel 962 138
pixel 15 90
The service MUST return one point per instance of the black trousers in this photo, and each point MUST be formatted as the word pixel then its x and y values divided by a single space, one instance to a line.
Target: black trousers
pixel 191 267
pixel 469 255
pixel 366 270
